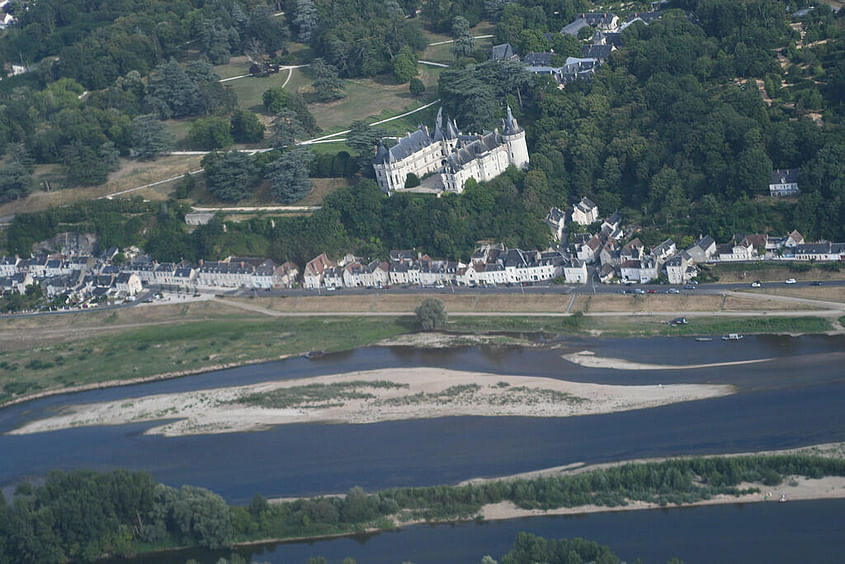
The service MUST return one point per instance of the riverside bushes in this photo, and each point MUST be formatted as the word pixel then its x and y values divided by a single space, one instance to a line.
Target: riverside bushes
pixel 81 515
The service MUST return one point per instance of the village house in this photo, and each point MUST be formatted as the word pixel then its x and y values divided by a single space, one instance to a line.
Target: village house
pixel 824 251
pixel 602 21
pixel 703 250
pixel 633 250
pixel 784 182
pixel 333 277
pixel 312 275
pixel 128 283
pixel 16 282
pixel 286 274
pixel 35 266
pixel 574 271
pixel 641 270
pixel 185 276
pixel 588 251
pixel 610 253
pixel 680 269
pixel 9 266
pixel 557 221
pixel 503 52
pixel 585 212
pixel 664 251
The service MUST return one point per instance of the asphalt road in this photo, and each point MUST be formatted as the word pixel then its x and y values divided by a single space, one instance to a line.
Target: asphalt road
pixel 544 288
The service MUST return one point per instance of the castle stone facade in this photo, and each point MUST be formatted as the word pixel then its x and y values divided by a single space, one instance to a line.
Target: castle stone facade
pixel 450 156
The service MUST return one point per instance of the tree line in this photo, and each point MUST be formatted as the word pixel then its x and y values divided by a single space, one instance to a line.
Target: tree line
pixel 83 515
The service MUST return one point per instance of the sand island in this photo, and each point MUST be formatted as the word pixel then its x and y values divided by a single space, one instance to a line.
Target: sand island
pixel 369 397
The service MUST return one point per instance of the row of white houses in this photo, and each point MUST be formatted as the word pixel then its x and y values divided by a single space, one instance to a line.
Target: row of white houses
pixel 490 265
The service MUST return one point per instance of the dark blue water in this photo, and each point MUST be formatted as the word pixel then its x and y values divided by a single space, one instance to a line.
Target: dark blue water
pixel 799 399
pixel 808 531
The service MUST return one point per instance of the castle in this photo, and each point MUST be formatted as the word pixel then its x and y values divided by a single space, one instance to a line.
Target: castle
pixel 449 156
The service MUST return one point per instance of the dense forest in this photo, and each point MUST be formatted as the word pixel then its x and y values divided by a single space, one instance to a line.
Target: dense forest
pixel 680 129
pixel 82 515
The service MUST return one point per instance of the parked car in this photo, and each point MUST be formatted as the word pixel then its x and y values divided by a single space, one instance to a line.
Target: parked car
pixel 673 291
pixel 756 284
pixel 790 281
pixel 652 291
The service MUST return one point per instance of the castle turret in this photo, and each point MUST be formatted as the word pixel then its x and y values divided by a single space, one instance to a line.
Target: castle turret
pixel 514 136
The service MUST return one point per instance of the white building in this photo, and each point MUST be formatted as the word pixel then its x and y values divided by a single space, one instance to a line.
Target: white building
pixel 784 183
pixel 128 283
pixel 575 271
pixel 450 155
pixel 312 276
pixel 585 212
pixel 680 268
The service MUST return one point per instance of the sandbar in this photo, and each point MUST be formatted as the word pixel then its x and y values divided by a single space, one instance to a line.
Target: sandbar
pixel 589 359
pixel 369 397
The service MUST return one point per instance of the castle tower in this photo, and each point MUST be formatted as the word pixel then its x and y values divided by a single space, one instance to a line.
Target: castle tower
pixel 514 136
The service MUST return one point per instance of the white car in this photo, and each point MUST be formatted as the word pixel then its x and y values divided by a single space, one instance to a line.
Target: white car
pixel 755 284
pixel 790 281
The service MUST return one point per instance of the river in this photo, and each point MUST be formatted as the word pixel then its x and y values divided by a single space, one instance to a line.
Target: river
pixel 795 400
pixel 775 533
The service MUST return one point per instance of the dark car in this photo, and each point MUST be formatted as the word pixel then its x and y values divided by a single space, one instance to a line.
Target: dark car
pixel 689 287
pixel 816 283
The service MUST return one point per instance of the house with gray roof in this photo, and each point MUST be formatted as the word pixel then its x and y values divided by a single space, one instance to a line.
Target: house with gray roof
pixel 784 182
pixel 503 52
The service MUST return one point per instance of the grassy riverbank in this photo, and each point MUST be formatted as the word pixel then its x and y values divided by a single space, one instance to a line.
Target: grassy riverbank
pixel 52 354
pixel 196 517
pixel 172 350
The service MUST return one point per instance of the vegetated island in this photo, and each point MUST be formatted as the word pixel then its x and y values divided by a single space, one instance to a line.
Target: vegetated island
pixel 126 513
pixel 369 397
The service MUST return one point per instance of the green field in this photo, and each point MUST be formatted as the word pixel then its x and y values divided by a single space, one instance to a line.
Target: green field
pixel 193 345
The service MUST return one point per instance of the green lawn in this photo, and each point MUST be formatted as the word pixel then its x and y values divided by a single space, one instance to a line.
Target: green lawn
pixel 251 89
pixel 189 346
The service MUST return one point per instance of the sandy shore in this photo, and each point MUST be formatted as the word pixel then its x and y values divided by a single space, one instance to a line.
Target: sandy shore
pixel 589 360
pixel 370 397
pixel 830 487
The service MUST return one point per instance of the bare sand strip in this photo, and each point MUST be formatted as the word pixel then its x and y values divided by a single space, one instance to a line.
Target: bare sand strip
pixel 589 360
pixel 829 487
pixel 369 397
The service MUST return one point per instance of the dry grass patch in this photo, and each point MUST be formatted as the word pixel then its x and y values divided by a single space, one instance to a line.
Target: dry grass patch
pixel 653 302
pixel 733 303
pixel 25 332
pixel 528 303
pixel 775 273
pixel 322 188
pixel 454 303
pixel 824 293
pixel 131 175
pixel 334 303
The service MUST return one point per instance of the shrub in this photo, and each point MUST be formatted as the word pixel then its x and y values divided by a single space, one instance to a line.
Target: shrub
pixel 412 180
pixel 416 87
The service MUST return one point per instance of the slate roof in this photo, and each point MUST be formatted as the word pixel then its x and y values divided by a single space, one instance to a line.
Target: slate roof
pixel 600 52
pixel 538 59
pixel 503 51
pixel 406 147
pixel 574 27
pixel 469 152
pixel 785 176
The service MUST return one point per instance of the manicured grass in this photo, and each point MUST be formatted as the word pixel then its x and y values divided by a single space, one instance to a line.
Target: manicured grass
pixel 190 346
pixel 251 89
pixel 721 326
pixel 562 325
pixel 364 98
